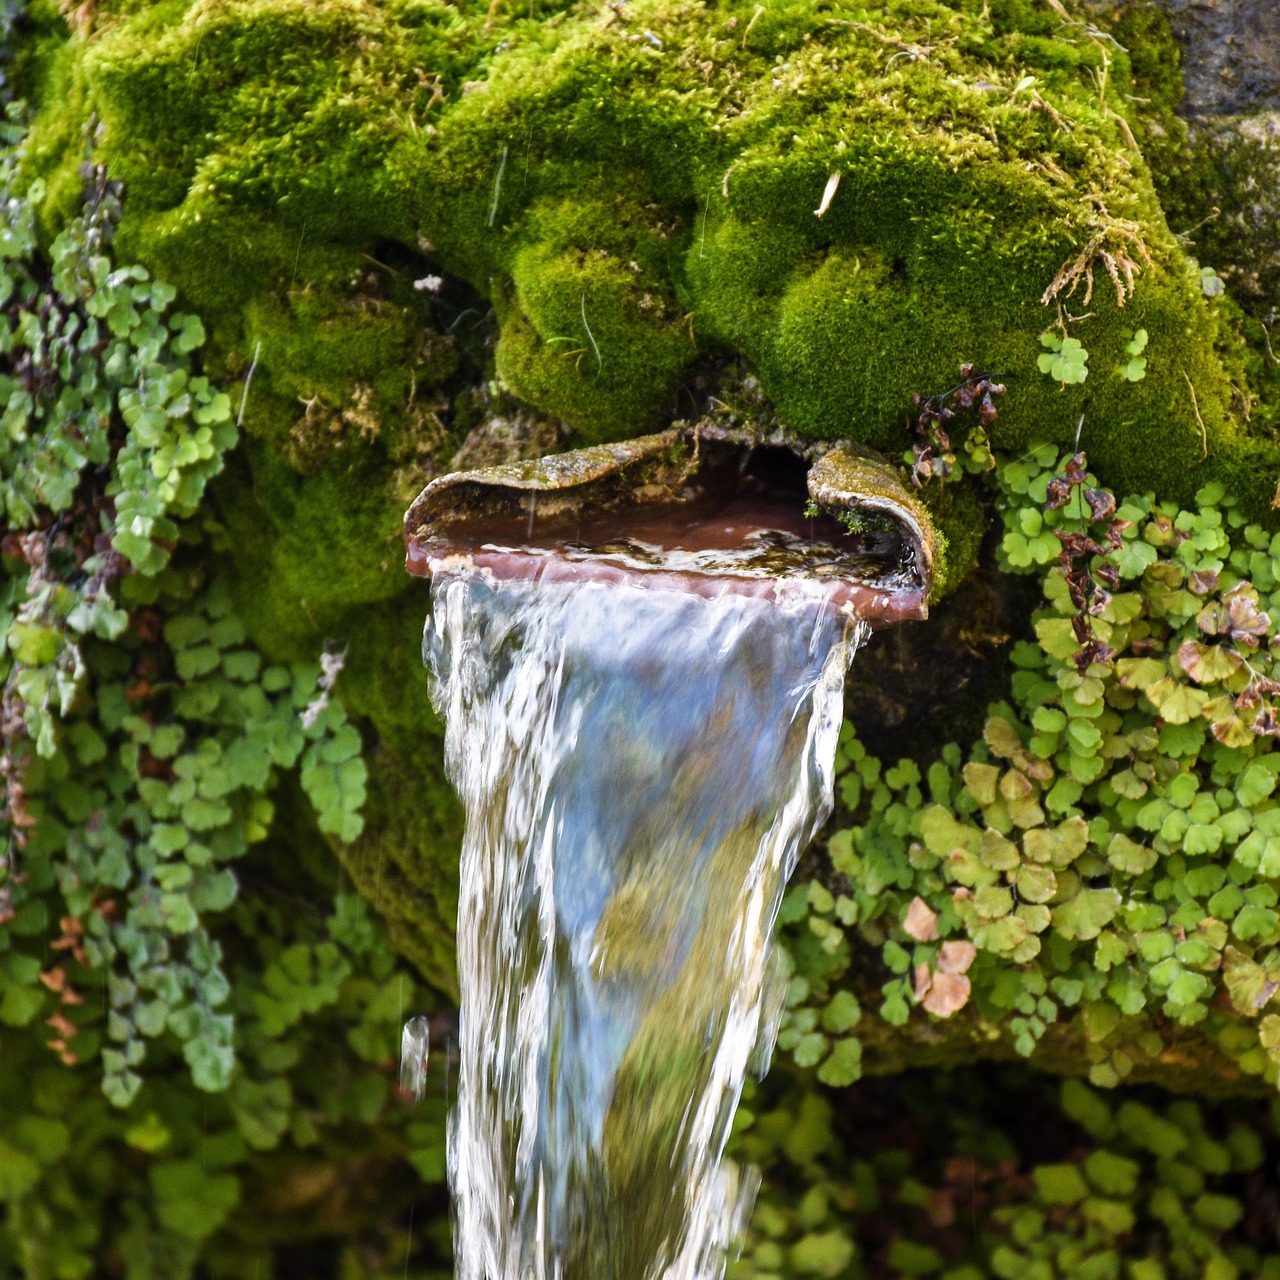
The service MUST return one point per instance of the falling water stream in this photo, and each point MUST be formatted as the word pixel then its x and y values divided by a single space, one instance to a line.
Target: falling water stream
pixel 639 652
pixel 640 770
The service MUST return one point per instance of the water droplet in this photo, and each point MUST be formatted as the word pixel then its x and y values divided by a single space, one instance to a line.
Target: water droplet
pixel 415 1044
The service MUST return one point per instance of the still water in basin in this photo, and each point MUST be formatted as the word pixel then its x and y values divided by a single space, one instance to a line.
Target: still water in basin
pixel 640 769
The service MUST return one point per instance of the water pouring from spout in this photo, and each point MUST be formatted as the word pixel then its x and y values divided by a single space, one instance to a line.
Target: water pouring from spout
pixel 643 735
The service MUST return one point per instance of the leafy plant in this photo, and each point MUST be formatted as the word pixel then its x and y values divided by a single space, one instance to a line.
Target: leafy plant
pixel 1106 845
pixel 932 453
pixel 1211 283
pixel 993 1172
pixel 1066 360
pixel 1135 369
pixel 148 748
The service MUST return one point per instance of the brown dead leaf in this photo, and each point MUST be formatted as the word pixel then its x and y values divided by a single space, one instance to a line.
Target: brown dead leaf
pixel 70 938
pixel 921 922
pixel 948 993
pixel 1247 623
pixel 923 981
pixel 941 1207
pixel 64 1027
pixel 55 979
pixel 64 1052
pixel 956 956
pixel 1208 663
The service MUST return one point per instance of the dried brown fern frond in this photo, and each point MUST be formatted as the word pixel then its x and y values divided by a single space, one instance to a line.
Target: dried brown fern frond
pixel 1117 244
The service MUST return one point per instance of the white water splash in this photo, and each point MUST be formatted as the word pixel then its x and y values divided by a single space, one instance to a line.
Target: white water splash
pixel 415 1048
pixel 640 771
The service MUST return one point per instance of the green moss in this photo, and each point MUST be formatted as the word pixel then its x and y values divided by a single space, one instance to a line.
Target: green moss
pixel 405 863
pixel 626 190
pixel 313 547
pixel 318 561
pixel 592 331
pixel 982 1173
pixel 30 39
pixel 961 522
pixel 342 365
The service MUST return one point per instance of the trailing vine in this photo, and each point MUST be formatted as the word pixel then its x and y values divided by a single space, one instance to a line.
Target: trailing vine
pixel 148 747
pixel 1104 852
pixel 143 738
pixel 932 455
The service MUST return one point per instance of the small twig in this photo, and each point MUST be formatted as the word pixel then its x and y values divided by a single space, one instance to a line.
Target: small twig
pixel 298 255
pixel 1204 435
pixel 383 265
pixel 916 52
pixel 976 377
pixel 1124 128
pixel 497 185
pixel 1039 104
pixel 248 378
pixel 1185 236
pixel 591 336
pixel 1266 337
pixel 408 1247
pixel 1120 235
pixel 755 17
pixel 828 194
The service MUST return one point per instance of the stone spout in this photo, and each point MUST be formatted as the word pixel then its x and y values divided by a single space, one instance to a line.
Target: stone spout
pixel 693 510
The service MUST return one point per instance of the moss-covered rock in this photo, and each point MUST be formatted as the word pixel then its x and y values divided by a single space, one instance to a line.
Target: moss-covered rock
pixel 853 202
pixel 393 213
pixel 424 235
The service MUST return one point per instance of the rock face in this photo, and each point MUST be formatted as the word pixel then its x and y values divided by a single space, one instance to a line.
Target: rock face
pixel 1240 156
pixel 1221 191
pixel 1230 55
